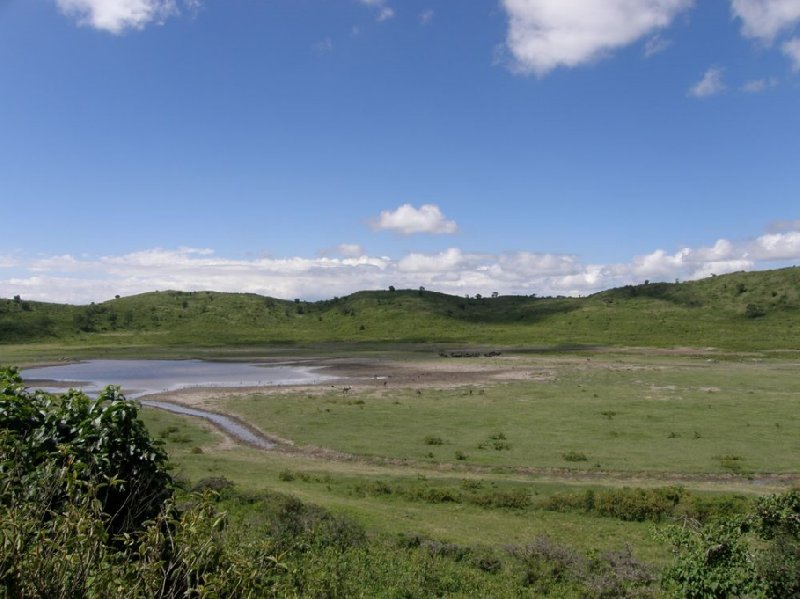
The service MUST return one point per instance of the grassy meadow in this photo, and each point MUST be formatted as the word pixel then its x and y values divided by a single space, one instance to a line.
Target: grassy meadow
pixel 349 489
pixel 662 414
pixel 504 462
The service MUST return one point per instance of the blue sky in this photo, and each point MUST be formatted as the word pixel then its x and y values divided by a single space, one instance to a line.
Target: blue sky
pixel 311 148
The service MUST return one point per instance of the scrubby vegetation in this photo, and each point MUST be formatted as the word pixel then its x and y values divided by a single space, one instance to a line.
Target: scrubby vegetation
pixel 88 508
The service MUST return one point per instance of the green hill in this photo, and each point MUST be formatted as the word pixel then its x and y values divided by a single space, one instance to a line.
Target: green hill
pixel 745 310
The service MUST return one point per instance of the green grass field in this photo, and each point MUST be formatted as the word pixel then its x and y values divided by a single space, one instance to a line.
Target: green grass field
pixel 432 463
pixel 607 413
pixel 339 487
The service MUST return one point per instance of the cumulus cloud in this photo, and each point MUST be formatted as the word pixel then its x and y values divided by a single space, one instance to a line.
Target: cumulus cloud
pixel 765 19
pixel 426 16
pixel 546 34
pixel 792 50
pixel 72 279
pixel 115 16
pixel 710 85
pixel 447 261
pixel 408 220
pixel 776 246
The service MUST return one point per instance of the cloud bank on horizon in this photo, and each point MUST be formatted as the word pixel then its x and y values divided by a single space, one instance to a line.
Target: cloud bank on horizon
pixel 349 268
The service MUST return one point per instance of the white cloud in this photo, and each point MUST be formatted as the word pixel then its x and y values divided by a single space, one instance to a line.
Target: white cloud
pixel 720 251
pixel 656 45
pixel 710 85
pixel 765 19
pixel 426 16
pixel 67 278
pixel 547 34
pixel 408 220
pixel 115 16
pixel 447 261
pixel 792 50
pixel 385 12
pixel 776 246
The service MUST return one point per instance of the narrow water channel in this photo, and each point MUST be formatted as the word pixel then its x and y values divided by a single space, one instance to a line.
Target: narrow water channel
pixel 230 426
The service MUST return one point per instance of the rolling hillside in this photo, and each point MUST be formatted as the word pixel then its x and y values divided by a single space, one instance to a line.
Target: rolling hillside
pixel 754 310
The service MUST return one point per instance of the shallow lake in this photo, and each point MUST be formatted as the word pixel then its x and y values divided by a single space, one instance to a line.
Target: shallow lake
pixel 143 377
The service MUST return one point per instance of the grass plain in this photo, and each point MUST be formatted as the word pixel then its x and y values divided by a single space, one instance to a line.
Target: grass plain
pixel 417 459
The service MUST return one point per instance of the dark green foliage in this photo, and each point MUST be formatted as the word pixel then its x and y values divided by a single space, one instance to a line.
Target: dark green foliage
pixel 753 311
pixel 99 442
pixel 471 492
pixel 756 555
pixel 216 484
pixel 286 475
pixel 777 521
pixel 549 565
pixel 631 504
pixel 575 456
pixel 711 562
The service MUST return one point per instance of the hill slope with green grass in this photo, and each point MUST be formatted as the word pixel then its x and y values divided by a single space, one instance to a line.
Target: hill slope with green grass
pixel 745 310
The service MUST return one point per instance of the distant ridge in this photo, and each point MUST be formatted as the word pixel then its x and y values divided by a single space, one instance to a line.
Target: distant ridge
pixel 744 310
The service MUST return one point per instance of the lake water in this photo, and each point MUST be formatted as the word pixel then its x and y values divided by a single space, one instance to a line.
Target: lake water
pixel 144 377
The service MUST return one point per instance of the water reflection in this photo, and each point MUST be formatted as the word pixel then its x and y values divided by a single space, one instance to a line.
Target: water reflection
pixel 143 377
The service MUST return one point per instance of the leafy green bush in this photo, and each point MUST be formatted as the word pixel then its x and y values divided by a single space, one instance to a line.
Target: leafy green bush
pixel 756 555
pixel 648 504
pixel 101 442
